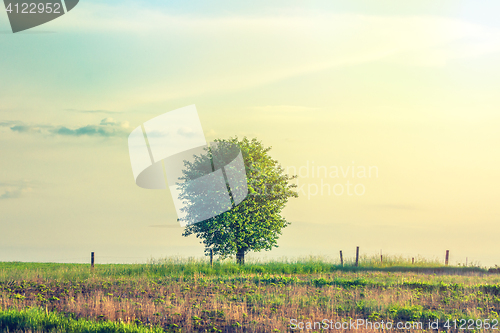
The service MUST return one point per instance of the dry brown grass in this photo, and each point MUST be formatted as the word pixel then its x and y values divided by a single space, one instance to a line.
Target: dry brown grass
pixel 253 303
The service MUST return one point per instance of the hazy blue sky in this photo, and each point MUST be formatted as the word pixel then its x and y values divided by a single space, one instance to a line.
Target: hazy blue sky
pixel 410 88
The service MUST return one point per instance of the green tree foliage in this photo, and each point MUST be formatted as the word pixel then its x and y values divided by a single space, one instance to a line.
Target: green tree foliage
pixel 255 224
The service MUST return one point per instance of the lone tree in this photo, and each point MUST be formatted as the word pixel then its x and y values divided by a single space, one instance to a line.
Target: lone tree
pixel 253 225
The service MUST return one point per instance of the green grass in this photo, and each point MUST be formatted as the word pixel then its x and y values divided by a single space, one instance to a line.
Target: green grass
pixel 37 320
pixel 180 267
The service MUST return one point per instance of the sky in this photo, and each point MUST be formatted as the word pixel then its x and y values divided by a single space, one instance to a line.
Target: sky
pixel 406 91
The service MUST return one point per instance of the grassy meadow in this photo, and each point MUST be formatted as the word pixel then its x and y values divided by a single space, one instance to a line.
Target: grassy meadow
pixel 191 296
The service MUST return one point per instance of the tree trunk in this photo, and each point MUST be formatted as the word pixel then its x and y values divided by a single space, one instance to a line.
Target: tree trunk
pixel 240 256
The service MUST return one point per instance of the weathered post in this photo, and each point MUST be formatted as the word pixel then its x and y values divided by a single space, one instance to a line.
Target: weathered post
pixel 211 257
pixel 412 261
pixel 357 256
pixel 92 260
pixel 447 257
pixel 341 259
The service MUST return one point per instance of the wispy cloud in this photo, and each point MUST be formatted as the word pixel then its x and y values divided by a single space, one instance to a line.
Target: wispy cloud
pixel 14 190
pixel 177 226
pixel 283 109
pixel 111 122
pixel 108 127
pixel 12 194
pixel 393 34
pixel 301 43
pixel 9 123
pixel 94 111
pixel 398 207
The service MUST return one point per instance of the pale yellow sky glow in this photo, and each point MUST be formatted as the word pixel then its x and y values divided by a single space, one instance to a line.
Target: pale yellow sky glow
pixel 413 94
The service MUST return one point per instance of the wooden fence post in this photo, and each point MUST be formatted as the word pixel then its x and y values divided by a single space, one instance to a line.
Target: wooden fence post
pixel 92 260
pixel 211 257
pixel 412 261
pixel 341 259
pixel 357 256
pixel 447 257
